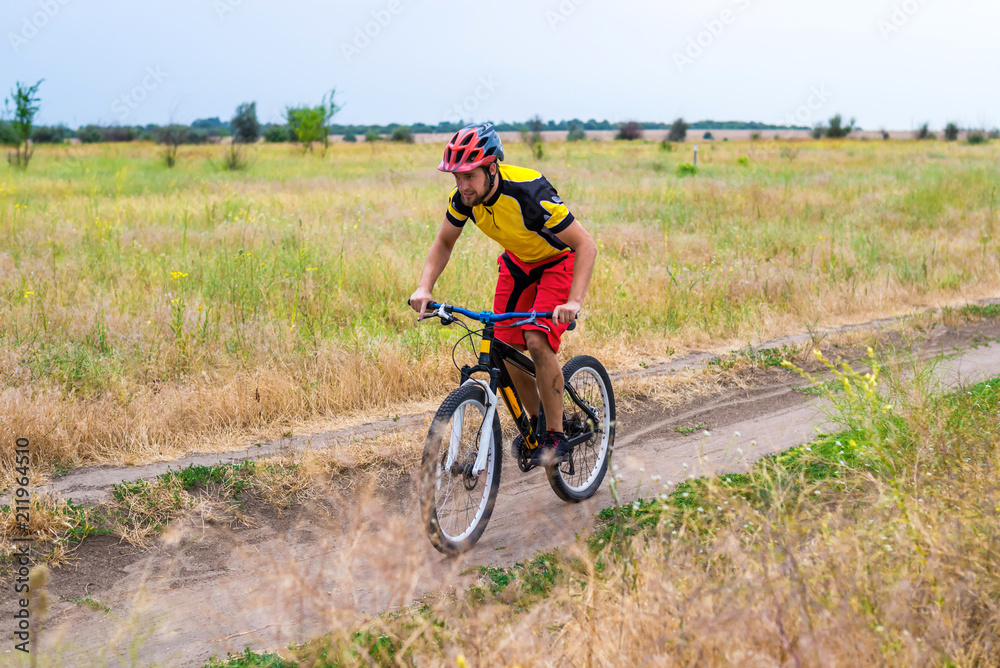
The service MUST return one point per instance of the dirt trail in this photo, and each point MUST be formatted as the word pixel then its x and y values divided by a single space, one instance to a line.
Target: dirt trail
pixel 203 591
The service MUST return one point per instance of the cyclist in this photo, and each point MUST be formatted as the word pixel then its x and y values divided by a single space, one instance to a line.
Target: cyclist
pixel 547 264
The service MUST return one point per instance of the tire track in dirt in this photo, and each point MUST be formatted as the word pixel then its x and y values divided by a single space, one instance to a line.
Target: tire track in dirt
pixel 203 591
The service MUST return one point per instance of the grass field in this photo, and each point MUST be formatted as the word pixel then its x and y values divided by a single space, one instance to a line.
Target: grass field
pixel 149 311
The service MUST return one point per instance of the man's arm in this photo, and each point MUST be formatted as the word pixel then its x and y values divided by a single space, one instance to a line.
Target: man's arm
pixel 580 241
pixel 437 260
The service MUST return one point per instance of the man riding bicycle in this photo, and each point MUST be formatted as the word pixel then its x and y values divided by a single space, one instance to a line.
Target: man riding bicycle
pixel 547 264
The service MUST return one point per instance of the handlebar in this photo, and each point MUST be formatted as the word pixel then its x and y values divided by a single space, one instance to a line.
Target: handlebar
pixel 484 317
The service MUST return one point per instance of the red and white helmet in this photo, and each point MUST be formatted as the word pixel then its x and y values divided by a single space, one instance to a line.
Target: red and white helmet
pixel 473 146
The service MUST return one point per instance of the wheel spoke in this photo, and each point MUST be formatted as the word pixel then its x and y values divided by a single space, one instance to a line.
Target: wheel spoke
pixel 588 458
pixel 459 499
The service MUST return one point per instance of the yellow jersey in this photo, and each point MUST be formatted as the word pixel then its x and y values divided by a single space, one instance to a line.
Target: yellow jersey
pixel 524 215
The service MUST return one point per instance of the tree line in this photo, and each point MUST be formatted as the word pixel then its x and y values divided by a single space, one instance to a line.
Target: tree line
pixel 311 125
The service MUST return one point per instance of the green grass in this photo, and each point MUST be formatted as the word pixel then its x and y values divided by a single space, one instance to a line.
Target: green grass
pixel 766 357
pixel 89 602
pixel 192 477
pixel 990 311
pixel 249 659
pixel 696 427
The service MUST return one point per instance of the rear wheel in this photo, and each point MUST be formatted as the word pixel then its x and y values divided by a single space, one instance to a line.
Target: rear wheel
pixel 580 475
pixel 455 502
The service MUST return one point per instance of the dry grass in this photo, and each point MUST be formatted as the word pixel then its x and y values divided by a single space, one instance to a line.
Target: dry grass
pixel 887 558
pixel 141 511
pixel 150 312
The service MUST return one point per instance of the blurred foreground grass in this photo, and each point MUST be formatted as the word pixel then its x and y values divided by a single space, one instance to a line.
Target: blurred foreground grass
pixel 874 546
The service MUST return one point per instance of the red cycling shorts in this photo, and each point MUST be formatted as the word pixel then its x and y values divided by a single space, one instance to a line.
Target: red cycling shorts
pixel 524 288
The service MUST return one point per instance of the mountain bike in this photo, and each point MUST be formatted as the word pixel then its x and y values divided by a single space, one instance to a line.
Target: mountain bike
pixel 460 469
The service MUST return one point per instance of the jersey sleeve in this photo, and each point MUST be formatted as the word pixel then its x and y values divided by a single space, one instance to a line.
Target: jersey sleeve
pixel 555 215
pixel 457 213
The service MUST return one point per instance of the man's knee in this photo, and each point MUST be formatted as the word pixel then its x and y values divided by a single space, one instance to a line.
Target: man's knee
pixel 537 342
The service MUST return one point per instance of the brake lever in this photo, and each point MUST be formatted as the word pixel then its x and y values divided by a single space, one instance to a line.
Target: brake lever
pixel 533 320
pixel 446 318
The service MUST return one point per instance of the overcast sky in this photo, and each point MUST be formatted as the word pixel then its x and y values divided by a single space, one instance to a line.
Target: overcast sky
pixel 891 64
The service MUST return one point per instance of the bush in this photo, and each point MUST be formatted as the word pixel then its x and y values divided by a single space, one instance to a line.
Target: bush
pixel 123 133
pixel 708 136
pixel 924 132
pixel 197 136
pixel 818 131
pixel 531 134
pixel 90 134
pixel 678 130
pixel 310 124
pixel 233 159
pixel 755 136
pixel 976 138
pixel 277 134
pixel 171 136
pixel 350 138
pixel 686 169
pixel 8 137
pixel 49 134
pixel 402 134
pixel 629 131
pixel 951 132
pixel 837 128
pixel 213 127
pixel 576 133
pixel 372 136
pixel 885 135
pixel 666 146
pixel 246 127
pixel 994 134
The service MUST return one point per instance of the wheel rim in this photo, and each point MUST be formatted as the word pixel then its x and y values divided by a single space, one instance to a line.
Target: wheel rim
pixel 589 457
pixel 460 499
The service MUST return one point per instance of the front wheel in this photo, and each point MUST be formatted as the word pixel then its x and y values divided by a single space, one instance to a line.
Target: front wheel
pixel 455 502
pixel 591 414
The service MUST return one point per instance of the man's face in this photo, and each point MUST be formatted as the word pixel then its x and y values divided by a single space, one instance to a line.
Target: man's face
pixel 473 187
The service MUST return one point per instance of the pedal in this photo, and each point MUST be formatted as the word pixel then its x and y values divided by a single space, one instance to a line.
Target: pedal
pixel 524 459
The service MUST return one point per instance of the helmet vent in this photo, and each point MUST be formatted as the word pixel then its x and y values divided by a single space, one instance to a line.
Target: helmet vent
pixel 459 155
pixel 482 142
pixel 468 138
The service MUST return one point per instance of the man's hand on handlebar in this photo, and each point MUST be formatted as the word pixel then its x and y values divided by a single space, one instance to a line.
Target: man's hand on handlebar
pixel 566 313
pixel 419 301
